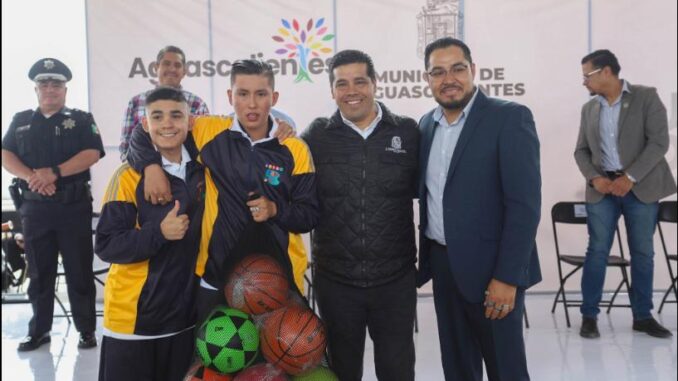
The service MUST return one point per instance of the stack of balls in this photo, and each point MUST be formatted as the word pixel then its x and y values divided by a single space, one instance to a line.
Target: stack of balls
pixel 291 337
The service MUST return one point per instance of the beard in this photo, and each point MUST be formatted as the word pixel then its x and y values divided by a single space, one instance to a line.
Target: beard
pixel 456 105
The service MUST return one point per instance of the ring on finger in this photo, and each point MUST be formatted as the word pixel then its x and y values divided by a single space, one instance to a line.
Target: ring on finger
pixel 254 209
pixel 490 303
pixel 499 308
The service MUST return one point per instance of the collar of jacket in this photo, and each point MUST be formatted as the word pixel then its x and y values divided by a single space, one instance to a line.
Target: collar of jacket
pixel 386 117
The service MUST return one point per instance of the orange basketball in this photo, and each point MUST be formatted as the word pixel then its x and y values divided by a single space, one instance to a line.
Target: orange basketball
pixel 257 284
pixel 293 339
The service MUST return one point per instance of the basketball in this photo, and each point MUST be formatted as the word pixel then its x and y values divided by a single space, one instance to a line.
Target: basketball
pixel 257 284
pixel 199 372
pixel 261 372
pixel 227 341
pixel 293 339
pixel 318 374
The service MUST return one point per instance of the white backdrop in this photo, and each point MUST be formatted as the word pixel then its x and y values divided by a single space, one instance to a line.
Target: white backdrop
pixel 525 51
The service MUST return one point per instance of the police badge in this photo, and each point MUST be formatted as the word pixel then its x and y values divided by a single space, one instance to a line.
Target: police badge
pixel 68 123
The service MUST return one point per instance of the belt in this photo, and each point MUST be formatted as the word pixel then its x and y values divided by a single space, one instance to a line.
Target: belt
pixel 614 174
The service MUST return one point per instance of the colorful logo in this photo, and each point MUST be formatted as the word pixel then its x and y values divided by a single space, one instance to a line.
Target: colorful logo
pixel 302 43
pixel 273 174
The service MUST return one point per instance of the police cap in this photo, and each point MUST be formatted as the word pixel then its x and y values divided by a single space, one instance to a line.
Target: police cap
pixel 49 68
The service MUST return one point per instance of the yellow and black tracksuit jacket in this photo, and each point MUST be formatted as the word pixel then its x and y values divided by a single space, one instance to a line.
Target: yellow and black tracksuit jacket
pixel 151 284
pixel 283 172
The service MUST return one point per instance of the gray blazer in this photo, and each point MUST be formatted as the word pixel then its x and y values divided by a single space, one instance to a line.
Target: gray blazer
pixel 643 140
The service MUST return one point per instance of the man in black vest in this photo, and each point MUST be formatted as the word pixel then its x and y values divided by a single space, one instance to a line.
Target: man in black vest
pixel 50 149
pixel 364 246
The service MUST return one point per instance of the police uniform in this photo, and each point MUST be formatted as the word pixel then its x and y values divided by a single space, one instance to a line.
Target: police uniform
pixel 60 223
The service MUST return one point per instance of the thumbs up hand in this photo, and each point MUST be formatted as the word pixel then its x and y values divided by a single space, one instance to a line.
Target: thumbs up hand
pixel 173 226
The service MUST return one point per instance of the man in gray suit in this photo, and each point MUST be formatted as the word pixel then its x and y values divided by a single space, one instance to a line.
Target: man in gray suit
pixel 622 141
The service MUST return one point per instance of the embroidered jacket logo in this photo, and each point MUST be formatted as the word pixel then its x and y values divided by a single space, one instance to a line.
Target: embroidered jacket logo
pixel 272 175
pixel 396 145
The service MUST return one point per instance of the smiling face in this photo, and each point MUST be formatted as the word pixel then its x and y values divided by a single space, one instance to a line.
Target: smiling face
pixel 354 92
pixel 171 69
pixel 252 97
pixel 51 95
pixel 167 121
pixel 450 77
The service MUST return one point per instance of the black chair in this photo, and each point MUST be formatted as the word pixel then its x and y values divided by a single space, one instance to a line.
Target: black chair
pixel 14 266
pixel 575 213
pixel 667 214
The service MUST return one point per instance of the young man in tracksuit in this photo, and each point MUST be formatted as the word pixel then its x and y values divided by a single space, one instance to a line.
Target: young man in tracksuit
pixel 149 301
pixel 250 177
pixel 363 247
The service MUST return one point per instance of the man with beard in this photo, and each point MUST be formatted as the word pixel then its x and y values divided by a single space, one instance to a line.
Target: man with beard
pixel 623 138
pixel 480 202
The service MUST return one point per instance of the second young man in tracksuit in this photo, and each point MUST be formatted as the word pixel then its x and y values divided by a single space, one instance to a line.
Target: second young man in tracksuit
pixel 250 177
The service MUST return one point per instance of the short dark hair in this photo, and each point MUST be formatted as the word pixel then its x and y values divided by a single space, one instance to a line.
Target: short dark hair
pixel 601 58
pixel 443 43
pixel 252 67
pixel 346 57
pixel 171 49
pixel 164 93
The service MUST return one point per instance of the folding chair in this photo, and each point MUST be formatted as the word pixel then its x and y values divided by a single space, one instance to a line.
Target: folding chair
pixel 575 213
pixel 667 214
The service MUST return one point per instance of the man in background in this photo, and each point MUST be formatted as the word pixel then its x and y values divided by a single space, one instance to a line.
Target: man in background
pixel 623 137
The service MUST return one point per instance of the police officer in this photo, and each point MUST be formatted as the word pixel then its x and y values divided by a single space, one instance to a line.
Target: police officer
pixel 50 149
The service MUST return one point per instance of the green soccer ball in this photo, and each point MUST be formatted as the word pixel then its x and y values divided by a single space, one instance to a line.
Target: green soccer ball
pixel 227 341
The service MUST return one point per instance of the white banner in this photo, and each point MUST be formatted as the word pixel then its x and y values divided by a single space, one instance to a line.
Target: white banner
pixel 528 51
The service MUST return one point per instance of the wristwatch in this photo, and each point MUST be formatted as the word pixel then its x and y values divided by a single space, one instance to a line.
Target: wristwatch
pixel 56 171
pixel 633 180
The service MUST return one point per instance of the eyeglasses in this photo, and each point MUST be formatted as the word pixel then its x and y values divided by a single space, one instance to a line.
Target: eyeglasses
pixel 438 73
pixel 588 75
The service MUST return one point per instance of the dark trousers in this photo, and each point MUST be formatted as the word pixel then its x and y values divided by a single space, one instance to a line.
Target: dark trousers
pixel 51 228
pixel 166 359
pixel 386 311
pixel 467 337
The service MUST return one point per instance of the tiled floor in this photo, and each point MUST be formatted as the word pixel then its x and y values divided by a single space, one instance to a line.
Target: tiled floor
pixel 555 353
